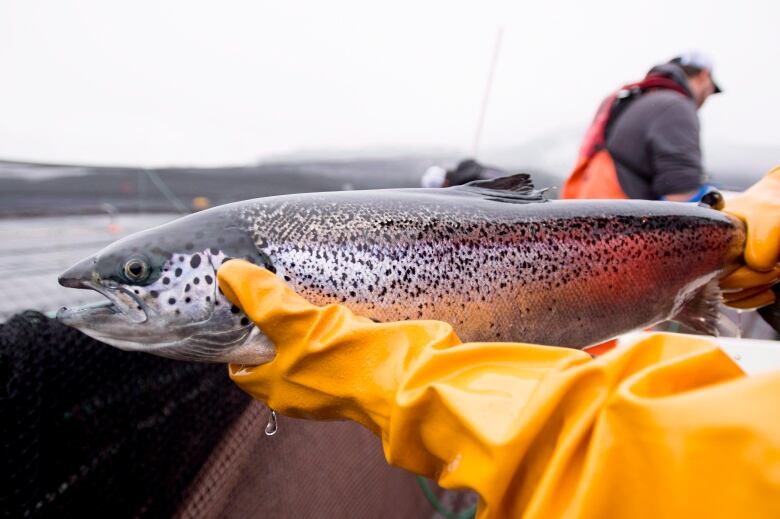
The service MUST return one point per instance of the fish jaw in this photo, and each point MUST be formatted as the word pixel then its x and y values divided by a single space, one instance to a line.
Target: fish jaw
pixel 81 316
pixel 122 303
pixel 112 320
pixel 104 322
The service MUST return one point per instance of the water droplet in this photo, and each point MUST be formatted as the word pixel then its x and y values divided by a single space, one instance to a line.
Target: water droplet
pixel 271 427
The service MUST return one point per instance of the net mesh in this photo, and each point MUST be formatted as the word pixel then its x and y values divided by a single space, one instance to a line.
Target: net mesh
pixel 88 429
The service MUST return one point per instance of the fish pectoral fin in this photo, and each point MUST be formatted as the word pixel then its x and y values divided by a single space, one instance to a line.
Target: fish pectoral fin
pixel 702 312
pixel 515 189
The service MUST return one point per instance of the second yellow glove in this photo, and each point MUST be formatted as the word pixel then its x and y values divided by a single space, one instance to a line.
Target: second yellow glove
pixel 759 207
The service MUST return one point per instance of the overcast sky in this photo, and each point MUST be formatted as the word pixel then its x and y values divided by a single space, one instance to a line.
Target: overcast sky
pixel 184 82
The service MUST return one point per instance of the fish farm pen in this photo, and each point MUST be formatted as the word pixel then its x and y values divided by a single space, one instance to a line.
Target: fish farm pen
pixel 89 429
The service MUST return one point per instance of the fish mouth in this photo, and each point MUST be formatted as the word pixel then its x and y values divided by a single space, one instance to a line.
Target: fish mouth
pixel 137 312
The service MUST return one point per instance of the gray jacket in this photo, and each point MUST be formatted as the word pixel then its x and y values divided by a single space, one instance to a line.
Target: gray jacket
pixel 654 142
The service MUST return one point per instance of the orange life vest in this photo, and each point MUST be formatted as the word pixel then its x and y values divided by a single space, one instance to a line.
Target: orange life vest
pixel 594 177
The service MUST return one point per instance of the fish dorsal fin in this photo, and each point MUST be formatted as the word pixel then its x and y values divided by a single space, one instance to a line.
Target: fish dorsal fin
pixel 516 189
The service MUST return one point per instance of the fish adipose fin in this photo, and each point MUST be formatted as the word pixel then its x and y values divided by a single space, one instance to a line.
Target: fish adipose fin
pixel 702 312
pixel 515 189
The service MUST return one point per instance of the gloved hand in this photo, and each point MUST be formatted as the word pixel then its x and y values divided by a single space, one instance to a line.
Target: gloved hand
pixel 647 430
pixel 759 207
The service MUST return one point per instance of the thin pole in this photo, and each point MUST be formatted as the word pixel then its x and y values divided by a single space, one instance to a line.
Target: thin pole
pixel 486 96
pixel 159 184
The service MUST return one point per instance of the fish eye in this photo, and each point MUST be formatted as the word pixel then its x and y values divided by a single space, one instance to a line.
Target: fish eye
pixel 136 269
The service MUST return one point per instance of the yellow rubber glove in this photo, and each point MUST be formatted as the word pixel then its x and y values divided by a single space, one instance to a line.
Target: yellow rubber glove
pixel 668 427
pixel 759 207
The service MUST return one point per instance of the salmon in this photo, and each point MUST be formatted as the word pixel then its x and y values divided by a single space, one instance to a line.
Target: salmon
pixel 493 258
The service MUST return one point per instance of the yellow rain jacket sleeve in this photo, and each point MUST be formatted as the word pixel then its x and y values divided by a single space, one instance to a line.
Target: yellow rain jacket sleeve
pixel 759 207
pixel 668 427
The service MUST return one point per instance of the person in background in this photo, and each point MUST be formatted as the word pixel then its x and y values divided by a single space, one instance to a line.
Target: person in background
pixel 644 140
pixel 466 171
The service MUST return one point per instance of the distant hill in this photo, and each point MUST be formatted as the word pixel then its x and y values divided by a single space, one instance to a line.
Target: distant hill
pixel 47 189
pixel 28 188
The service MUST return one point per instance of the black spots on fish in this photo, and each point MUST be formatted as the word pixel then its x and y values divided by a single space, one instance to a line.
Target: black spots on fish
pixel 187 287
pixel 139 307
pixel 154 293
pixel 195 261
pixel 208 299
pixel 171 301
pixel 136 291
pixel 187 299
pixel 208 279
pixel 177 272
pixel 178 312
pixel 234 309
pixel 214 251
pixel 271 269
pixel 166 280
pixel 181 259
pixel 196 280
pixel 287 278
pixel 189 246
pixel 352 293
pixel 261 242
pixel 244 321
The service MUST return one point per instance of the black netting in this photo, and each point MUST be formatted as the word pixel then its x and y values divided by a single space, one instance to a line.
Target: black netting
pixel 91 429
pixel 88 430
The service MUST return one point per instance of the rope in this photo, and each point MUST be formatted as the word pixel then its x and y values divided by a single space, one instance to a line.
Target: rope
pixel 159 184
pixel 436 504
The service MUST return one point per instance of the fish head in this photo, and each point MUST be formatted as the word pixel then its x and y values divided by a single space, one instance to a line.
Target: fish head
pixel 163 297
